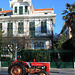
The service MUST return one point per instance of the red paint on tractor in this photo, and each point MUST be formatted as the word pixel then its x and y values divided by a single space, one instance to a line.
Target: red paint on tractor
pixel 41 64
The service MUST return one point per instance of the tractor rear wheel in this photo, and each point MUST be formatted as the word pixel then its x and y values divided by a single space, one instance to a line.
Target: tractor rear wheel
pixel 17 69
pixel 42 73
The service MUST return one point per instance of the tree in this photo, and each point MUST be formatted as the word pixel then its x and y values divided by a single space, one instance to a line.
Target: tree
pixel 0 43
pixel 61 40
pixel 16 43
pixel 69 17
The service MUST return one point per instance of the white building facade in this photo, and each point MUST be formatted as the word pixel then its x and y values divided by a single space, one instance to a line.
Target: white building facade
pixel 24 20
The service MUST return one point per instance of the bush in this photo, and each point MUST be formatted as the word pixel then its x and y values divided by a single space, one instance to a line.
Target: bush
pixel 38 55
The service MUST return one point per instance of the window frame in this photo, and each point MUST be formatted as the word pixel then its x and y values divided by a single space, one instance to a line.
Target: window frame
pixel 38 45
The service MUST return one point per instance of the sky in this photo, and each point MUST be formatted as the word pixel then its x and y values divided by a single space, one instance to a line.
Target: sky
pixel 57 5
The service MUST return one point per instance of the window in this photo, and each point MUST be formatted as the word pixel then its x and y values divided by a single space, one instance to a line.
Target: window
pixel 10 29
pixel 26 8
pixel 5 14
pixel 0 26
pixel 15 9
pixel 46 13
pixel 20 28
pixel 43 27
pixel 32 29
pixel 21 10
pixel 39 45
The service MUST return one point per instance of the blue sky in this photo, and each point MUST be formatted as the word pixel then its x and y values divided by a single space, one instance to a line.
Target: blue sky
pixel 58 5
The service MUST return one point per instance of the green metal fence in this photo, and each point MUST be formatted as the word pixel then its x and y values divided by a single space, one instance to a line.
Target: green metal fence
pixel 46 55
pixel 57 58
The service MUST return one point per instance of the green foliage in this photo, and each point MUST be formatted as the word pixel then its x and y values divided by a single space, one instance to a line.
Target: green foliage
pixel 61 40
pixel 69 17
pixel 67 14
pixel 38 55
pixel 0 43
pixel 69 8
pixel 45 55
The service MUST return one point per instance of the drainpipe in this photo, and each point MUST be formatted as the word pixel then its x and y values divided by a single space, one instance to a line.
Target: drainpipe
pixel 52 38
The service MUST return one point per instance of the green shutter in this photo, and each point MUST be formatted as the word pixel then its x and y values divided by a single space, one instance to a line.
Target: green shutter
pixel 0 26
pixel 10 29
pixel 15 9
pixel 26 8
pixel 20 28
pixel 32 29
pixel 21 10
pixel 43 27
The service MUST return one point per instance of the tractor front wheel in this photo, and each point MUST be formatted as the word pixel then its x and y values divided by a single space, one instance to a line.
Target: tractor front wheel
pixel 17 69
pixel 42 73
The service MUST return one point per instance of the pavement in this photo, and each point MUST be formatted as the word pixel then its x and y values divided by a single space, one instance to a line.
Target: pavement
pixel 53 71
pixel 63 70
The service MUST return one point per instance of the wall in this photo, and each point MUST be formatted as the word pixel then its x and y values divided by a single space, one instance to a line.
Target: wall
pixel 26 27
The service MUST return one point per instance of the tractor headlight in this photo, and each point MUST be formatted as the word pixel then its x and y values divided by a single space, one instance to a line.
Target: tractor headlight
pixel 43 67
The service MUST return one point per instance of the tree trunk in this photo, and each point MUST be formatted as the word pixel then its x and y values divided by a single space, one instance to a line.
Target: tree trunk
pixel 73 33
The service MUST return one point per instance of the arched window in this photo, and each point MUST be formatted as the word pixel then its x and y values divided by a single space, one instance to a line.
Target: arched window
pixel 38 45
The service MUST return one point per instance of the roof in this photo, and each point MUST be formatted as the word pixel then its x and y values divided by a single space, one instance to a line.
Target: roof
pixel 6 11
pixel 43 9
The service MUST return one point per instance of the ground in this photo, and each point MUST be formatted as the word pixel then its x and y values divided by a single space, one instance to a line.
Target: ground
pixel 3 71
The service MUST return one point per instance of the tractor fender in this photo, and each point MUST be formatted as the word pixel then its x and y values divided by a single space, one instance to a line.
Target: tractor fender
pixel 22 62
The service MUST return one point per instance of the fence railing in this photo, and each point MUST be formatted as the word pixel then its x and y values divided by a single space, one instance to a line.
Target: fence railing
pixel 57 58
pixel 46 55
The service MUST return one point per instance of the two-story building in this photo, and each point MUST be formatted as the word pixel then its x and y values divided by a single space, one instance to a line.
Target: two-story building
pixel 23 20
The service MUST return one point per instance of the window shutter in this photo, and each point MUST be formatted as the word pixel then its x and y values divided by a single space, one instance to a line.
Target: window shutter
pixel 20 28
pixel 10 29
pixel 21 10
pixel 43 27
pixel 32 28
pixel 0 26
pixel 15 9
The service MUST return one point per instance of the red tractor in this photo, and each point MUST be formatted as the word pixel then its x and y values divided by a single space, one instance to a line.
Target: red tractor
pixel 22 68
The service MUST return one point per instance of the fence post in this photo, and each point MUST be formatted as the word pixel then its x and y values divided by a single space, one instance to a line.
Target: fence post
pixel 0 63
pixel 49 56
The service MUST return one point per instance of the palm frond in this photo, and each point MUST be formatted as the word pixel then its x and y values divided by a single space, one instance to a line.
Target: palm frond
pixel 64 12
pixel 65 17
pixel 67 5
